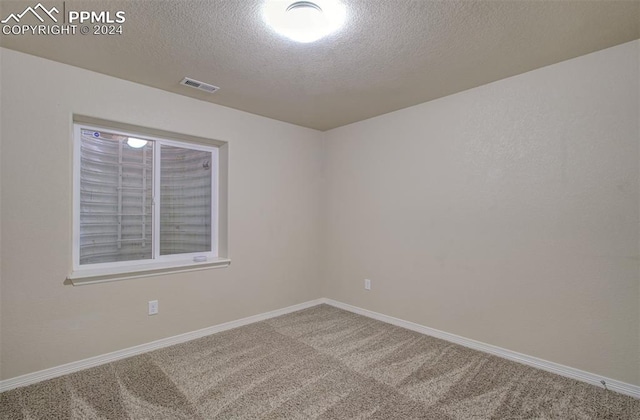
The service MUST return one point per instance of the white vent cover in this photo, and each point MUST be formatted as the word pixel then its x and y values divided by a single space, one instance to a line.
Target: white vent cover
pixel 199 85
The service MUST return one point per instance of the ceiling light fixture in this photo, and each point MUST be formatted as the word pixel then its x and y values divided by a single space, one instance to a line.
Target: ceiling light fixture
pixel 304 6
pixel 304 21
pixel 136 143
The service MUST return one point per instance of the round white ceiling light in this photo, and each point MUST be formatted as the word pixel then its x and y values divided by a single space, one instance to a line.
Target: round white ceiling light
pixel 304 21
pixel 136 143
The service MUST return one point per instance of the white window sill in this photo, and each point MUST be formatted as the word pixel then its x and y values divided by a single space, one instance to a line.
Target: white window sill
pixel 83 277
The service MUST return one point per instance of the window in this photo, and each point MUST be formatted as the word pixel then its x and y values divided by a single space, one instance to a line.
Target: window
pixel 143 204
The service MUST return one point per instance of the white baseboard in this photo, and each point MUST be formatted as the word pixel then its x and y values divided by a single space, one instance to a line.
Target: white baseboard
pixel 31 378
pixel 569 372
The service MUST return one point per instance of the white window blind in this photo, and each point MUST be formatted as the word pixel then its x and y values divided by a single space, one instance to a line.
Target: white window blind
pixel 116 185
pixel 143 201
pixel 185 200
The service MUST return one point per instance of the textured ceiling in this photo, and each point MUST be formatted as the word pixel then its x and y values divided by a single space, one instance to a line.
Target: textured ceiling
pixel 391 54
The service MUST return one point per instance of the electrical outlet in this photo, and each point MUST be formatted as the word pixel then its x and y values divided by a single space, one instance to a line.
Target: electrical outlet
pixel 153 307
pixel 367 284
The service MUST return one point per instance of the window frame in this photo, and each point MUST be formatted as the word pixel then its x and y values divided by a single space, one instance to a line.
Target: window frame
pixel 158 264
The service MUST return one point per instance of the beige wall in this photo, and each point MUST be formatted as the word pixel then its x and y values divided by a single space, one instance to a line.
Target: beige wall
pixel 274 221
pixel 506 214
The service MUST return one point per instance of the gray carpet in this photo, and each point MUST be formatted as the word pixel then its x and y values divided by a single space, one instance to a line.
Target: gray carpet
pixel 319 363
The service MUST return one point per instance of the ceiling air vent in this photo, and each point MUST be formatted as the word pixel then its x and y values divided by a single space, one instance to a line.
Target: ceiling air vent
pixel 199 85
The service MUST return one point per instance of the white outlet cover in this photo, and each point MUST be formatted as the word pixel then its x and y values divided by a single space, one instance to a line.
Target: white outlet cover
pixel 367 284
pixel 153 307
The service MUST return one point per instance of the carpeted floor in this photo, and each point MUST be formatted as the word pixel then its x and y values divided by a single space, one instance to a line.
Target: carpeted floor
pixel 319 363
